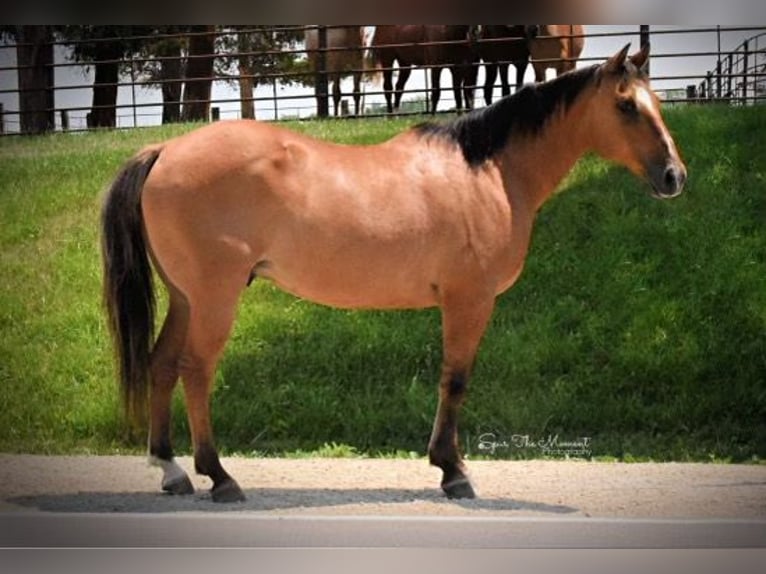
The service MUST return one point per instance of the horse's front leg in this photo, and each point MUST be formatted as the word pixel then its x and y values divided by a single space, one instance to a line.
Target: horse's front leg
pixel 401 81
pixel 388 88
pixel 436 80
pixel 464 319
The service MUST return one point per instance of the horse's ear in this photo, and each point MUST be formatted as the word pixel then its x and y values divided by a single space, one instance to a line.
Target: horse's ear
pixel 616 64
pixel 641 58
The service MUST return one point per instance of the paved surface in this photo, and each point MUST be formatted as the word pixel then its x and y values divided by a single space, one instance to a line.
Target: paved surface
pixel 361 503
pixel 252 531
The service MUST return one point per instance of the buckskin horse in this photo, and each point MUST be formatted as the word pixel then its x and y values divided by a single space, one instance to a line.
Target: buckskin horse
pixel 439 215
pixel 554 46
pixel 429 46
pixel 345 56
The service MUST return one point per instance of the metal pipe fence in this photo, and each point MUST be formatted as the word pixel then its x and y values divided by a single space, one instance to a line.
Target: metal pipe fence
pixel 59 91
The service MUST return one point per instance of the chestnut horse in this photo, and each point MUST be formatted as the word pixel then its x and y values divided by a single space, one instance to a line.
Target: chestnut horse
pixel 345 56
pixel 440 215
pixel 500 47
pixel 404 45
pixel 554 46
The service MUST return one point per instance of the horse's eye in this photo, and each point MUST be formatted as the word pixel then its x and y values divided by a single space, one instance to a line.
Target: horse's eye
pixel 627 106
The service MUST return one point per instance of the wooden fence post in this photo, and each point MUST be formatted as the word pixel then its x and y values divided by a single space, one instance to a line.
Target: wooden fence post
pixel 64 120
pixel 2 118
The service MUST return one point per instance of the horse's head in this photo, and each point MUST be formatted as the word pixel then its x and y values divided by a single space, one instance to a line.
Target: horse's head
pixel 627 126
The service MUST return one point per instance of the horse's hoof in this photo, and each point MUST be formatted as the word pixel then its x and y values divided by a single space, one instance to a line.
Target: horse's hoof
pixel 227 491
pixel 180 485
pixel 459 488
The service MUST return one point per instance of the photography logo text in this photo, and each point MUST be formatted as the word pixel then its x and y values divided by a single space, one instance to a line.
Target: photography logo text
pixel 550 445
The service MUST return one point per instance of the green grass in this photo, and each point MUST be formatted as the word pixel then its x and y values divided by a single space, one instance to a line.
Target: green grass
pixel 639 324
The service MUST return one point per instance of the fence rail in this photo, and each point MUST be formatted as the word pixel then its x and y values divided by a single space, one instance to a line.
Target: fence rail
pixel 43 88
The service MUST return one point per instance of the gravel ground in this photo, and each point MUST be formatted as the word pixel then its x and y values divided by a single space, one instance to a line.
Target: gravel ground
pixel 391 487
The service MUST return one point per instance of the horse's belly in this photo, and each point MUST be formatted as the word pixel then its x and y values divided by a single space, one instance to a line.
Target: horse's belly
pixel 355 284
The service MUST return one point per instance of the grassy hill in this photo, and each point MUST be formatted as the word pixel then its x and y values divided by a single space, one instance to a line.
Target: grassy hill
pixel 638 324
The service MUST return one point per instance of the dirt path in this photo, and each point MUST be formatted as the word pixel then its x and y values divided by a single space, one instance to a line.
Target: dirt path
pixel 392 487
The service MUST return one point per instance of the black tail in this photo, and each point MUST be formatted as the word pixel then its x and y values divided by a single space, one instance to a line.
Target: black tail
pixel 128 289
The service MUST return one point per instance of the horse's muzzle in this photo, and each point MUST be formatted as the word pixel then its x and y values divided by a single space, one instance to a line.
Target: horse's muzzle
pixel 668 179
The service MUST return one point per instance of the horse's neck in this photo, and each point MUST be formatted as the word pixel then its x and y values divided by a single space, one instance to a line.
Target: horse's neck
pixel 534 166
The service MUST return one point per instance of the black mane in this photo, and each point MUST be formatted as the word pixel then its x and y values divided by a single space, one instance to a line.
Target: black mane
pixel 482 133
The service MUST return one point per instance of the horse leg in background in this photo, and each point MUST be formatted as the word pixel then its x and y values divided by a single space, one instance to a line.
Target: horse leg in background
pixel 540 69
pixel 336 94
pixel 436 80
pixel 464 320
pixel 388 87
pixel 458 81
pixel 506 88
pixel 469 84
pixel 521 69
pixel 490 72
pixel 210 320
pixel 357 93
pixel 164 376
pixel 401 81
pixel 565 66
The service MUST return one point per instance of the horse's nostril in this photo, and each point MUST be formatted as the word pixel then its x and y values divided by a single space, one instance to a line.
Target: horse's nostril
pixel 674 178
pixel 671 178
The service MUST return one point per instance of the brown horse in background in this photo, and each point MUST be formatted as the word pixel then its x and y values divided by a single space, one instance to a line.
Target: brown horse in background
pixel 404 45
pixel 499 47
pixel 439 216
pixel 554 46
pixel 345 56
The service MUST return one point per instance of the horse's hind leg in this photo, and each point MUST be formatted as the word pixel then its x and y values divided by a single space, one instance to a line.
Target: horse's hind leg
pixel 210 319
pixel 164 375
pixel 464 319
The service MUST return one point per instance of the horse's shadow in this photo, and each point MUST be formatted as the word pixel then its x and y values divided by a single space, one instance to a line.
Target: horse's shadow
pixel 375 501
